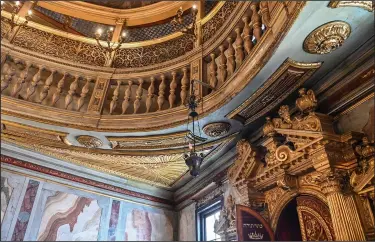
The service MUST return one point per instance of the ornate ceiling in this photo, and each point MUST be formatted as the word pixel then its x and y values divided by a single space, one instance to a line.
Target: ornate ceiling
pixel 121 4
pixel 123 113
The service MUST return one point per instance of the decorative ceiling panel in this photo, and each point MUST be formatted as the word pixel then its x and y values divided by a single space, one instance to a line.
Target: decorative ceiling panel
pixel 173 140
pixel 287 78
pixel 87 28
pixel 158 167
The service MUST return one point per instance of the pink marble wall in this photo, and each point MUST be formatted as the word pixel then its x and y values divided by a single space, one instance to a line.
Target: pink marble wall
pixel 25 212
pixel 68 217
pixel 115 210
pixel 144 225
pixel 187 224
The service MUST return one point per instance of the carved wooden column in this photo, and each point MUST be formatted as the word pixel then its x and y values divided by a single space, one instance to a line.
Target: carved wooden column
pixel 126 102
pixel 345 217
pixel 116 92
pixel 138 98
pixel 184 86
pixel 98 96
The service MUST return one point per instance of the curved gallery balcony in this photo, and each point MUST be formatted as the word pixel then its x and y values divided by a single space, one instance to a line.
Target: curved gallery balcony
pixel 147 83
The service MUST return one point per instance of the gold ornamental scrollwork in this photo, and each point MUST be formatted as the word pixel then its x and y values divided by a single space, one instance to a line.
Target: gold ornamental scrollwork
pixel 367 5
pixel 216 129
pixel 89 141
pixel 327 38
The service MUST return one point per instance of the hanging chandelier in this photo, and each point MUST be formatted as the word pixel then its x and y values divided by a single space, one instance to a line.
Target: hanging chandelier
pixel 194 158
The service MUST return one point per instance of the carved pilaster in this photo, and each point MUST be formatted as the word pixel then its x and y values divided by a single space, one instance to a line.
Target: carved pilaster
pixel 345 217
pixel 99 95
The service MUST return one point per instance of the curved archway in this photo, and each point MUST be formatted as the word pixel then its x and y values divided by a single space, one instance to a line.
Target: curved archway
pixel 288 228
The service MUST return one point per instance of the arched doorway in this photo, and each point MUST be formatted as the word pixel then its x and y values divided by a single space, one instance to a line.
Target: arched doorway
pixel 305 218
pixel 288 228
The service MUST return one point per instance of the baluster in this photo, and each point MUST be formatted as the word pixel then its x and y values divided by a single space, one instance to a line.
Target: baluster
pixel 172 91
pixel 31 89
pixel 184 86
pixel 60 85
pixel 222 65
pixel 128 92
pixel 138 98
pixel 43 94
pixel 264 11
pixel 150 94
pixel 113 104
pixel 21 80
pixel 7 77
pixel 256 20
pixel 85 90
pixel 71 92
pixel 239 48
pixel 162 87
pixel 213 69
pixel 231 63
pixel 247 35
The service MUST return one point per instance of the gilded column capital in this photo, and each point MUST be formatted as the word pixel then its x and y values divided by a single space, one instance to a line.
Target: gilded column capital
pixel 334 182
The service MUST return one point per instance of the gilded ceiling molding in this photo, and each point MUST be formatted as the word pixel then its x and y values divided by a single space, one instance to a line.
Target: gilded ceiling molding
pixel 22 130
pixel 218 129
pixel 89 141
pixel 367 5
pixel 286 79
pixel 327 38
pixel 82 180
pixel 105 15
pixel 354 106
pixel 156 167
pixel 173 140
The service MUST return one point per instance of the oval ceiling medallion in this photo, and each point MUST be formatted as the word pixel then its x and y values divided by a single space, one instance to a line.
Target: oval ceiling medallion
pixel 327 38
pixel 89 141
pixel 216 129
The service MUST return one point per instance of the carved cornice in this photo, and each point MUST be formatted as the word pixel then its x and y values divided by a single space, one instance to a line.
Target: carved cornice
pixel 287 78
pixel 367 5
pixel 158 167
pixel 82 180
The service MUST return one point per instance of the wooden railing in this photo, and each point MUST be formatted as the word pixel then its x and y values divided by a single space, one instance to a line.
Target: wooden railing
pixel 235 54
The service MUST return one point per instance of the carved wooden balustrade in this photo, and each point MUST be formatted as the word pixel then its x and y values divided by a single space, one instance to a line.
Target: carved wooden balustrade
pixel 148 94
pixel 47 86
pixel 65 74
pixel 228 57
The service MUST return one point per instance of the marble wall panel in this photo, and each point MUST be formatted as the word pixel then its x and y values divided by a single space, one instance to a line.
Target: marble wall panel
pixel 6 193
pixel 187 231
pixel 68 217
pixel 147 224
pixel 43 211
pixel 25 211
pixel 115 210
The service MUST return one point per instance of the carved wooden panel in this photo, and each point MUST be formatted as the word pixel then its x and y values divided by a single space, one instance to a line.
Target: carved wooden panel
pixel 153 54
pixel 57 46
pixel 287 78
pixel 210 28
pixel 315 219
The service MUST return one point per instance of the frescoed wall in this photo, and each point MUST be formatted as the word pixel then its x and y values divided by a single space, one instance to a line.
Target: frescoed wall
pixel 187 224
pixel 34 210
